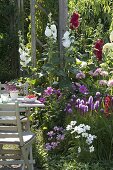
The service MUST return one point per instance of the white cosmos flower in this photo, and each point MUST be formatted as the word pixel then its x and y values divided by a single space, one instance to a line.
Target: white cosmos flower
pixel 91 148
pixel 48 32
pixel 111 37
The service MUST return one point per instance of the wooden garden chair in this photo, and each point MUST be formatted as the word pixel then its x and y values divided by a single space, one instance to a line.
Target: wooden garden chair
pixel 25 91
pixel 11 134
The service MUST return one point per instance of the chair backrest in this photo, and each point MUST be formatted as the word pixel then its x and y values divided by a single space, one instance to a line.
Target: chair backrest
pixel 10 128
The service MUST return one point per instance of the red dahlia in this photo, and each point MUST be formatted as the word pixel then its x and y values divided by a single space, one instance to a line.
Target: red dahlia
pixel 74 21
pixel 98 49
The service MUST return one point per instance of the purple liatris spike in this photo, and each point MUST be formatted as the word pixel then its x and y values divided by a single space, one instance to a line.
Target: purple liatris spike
pixel 90 100
pixel 96 105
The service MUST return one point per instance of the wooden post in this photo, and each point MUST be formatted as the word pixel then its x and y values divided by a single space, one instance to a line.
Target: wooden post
pixel 63 13
pixel 33 34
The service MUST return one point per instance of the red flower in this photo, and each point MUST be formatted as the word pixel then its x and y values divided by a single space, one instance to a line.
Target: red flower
pixel 74 21
pixel 98 49
pixel 107 103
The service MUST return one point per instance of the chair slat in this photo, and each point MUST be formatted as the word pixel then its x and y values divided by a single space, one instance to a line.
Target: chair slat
pixel 8 135
pixel 7 113
pixel 11 162
pixel 8 128
pixel 7 121
pixel 10 151
pixel 10 157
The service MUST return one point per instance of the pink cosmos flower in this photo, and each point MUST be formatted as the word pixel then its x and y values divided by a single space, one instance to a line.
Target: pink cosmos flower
pixel 104 73
pixel 110 83
pixel 80 75
pixel 97 72
pixel 103 82
pixel 48 91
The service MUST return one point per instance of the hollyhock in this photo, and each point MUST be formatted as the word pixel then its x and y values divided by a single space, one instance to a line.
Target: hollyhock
pixel 74 21
pixel 98 49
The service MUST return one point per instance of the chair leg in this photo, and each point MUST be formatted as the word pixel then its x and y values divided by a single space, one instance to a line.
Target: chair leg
pixel 25 156
pixel 23 167
pixel 31 159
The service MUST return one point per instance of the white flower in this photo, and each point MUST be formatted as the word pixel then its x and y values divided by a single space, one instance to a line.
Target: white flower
pixel 77 137
pixel 73 123
pixel 83 64
pixel 111 37
pixel 85 135
pixel 89 139
pixel 66 35
pixel 69 127
pixel 91 149
pixel 107 46
pixel 79 149
pixel 27 60
pixel 66 43
pixel 48 32
pixel 54 31
pixel 87 127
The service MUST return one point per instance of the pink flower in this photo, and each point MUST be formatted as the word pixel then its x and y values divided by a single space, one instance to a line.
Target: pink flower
pixel 97 72
pixel 91 73
pixel 80 75
pixel 104 73
pixel 110 83
pixel 48 91
pixel 103 82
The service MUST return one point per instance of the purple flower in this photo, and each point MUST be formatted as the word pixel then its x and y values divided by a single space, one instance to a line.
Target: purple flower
pixel 50 134
pixel 60 137
pixel 98 94
pixel 69 110
pixel 96 105
pixel 83 89
pixel 83 108
pixel 56 128
pixel 42 100
pixel 48 91
pixel 80 75
pixel 48 146
pixel 54 145
pixel 90 100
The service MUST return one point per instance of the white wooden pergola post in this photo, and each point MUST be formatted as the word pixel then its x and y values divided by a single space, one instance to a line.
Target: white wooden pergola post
pixel 63 14
pixel 33 33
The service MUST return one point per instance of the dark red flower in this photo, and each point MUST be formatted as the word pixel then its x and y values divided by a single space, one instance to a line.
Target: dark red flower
pixel 98 49
pixel 107 103
pixel 74 21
